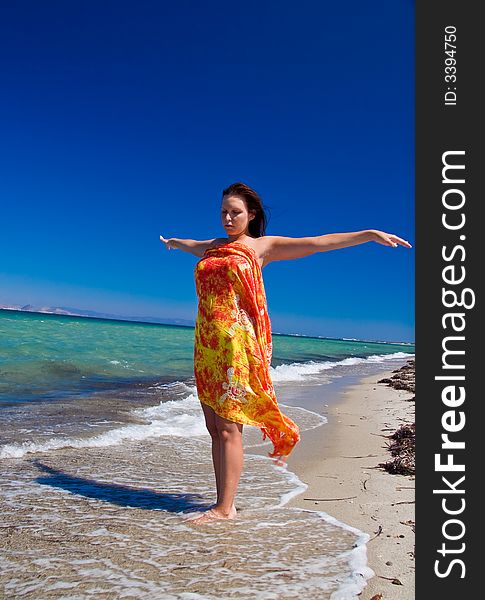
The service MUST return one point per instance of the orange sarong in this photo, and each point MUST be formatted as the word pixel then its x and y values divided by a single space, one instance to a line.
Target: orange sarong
pixel 233 344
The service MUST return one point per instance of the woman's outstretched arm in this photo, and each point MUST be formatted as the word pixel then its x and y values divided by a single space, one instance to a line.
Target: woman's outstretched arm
pixel 287 248
pixel 197 247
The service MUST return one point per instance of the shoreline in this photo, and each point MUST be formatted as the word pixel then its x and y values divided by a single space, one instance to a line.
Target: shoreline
pixel 339 463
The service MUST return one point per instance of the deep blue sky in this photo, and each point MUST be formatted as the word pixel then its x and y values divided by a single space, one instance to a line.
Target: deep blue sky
pixel 122 121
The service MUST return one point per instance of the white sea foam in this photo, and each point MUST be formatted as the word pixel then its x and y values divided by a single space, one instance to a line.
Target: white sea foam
pixel 175 417
pixel 182 418
pixel 301 371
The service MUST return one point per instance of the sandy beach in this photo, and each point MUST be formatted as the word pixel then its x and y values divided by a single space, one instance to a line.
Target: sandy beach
pixel 339 462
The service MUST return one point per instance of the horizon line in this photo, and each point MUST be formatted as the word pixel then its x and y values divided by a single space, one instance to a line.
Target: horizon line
pixel 123 319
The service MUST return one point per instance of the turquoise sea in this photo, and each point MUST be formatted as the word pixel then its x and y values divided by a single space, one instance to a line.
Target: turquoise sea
pixel 45 357
pixel 103 448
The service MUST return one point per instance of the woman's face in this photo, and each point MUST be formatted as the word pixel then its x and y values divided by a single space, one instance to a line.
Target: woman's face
pixel 235 216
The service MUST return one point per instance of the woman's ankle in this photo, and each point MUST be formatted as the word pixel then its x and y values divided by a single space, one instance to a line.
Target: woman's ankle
pixel 223 510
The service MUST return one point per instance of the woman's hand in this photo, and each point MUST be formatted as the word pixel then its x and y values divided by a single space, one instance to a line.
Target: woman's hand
pixel 169 244
pixel 388 239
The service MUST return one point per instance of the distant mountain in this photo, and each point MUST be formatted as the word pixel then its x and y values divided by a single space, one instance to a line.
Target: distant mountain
pixel 78 312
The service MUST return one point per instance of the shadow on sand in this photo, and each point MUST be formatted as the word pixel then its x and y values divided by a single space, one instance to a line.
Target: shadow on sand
pixel 122 495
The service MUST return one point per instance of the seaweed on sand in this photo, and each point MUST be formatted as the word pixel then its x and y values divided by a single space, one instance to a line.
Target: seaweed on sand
pixel 402 448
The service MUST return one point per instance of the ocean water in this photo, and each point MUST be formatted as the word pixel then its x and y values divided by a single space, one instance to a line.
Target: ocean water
pixel 104 454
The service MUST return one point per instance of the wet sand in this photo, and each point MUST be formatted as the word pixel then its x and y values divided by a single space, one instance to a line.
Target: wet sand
pixel 111 522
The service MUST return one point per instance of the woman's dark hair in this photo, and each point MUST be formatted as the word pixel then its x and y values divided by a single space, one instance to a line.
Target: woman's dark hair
pixel 257 226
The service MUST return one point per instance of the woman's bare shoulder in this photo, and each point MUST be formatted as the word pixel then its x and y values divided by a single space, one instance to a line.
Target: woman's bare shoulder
pixel 198 247
pixel 216 242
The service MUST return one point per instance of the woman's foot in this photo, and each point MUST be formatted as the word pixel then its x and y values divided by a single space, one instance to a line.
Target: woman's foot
pixel 215 514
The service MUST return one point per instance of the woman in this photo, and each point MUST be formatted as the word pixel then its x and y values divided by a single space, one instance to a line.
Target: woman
pixel 233 344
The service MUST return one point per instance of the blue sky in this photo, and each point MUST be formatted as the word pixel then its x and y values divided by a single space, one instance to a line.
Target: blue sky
pixel 122 121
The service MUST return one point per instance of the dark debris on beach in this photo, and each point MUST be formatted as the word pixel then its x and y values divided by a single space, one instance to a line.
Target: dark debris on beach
pixel 402 448
pixel 403 444
pixel 404 378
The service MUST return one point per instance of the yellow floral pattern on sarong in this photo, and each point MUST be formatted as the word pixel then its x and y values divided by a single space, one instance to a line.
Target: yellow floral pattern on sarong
pixel 233 344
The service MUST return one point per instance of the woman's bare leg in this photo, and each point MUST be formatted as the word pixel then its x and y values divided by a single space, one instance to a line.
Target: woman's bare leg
pixel 231 464
pixel 210 421
pixel 216 461
pixel 228 459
